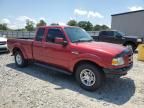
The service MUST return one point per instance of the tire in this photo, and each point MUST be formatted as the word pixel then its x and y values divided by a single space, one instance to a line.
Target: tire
pixel 19 59
pixel 131 46
pixel 93 73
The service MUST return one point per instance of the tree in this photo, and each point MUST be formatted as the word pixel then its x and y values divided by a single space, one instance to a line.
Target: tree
pixel 22 29
pixel 85 25
pixel 54 24
pixel 89 26
pixel 72 23
pixel 3 26
pixel 29 25
pixel 82 24
pixel 97 28
pixel 41 23
pixel 104 27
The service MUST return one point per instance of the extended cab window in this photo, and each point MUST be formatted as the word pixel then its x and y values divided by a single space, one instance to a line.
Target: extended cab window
pixel 53 33
pixel 106 33
pixel 40 34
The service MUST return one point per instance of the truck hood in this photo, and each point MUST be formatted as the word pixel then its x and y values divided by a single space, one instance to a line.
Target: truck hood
pixel 3 39
pixel 132 37
pixel 103 47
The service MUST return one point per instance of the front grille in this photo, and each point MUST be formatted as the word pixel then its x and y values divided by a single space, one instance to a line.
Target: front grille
pixel 3 43
pixel 128 56
pixel 3 49
pixel 130 59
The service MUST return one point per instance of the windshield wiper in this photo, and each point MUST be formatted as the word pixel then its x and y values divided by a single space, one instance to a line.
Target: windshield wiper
pixel 81 40
pixel 90 40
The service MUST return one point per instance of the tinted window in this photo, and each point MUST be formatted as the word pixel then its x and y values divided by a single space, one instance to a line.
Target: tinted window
pixel 107 33
pixel 119 34
pixel 53 33
pixel 40 34
pixel 102 33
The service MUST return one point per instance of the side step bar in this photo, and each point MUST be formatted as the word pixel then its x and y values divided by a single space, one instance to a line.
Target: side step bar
pixel 53 68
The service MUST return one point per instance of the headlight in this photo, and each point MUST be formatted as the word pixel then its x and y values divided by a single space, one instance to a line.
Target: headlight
pixel 139 40
pixel 118 61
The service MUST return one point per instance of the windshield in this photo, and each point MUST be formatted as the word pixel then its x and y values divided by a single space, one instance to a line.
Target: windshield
pixel 77 34
pixel 121 33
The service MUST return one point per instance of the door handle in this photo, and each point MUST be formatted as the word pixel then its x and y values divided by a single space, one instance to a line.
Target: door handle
pixel 75 52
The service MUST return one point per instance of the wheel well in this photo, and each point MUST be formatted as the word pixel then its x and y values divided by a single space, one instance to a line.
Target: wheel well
pixel 15 50
pixel 85 61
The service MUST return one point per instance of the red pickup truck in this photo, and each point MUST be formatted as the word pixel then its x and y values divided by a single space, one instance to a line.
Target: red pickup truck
pixel 71 50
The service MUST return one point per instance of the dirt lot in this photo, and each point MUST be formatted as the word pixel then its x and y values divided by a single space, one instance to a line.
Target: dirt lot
pixel 37 87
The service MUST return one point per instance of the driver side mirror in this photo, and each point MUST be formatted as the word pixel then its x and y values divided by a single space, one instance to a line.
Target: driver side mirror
pixel 60 41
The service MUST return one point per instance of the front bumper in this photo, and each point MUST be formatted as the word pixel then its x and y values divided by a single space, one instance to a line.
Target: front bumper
pixel 117 72
pixel 3 48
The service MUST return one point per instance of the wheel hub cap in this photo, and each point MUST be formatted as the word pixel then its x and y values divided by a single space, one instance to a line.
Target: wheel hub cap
pixel 87 77
pixel 18 59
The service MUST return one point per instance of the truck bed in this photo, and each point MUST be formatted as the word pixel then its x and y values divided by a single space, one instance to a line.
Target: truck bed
pixel 24 44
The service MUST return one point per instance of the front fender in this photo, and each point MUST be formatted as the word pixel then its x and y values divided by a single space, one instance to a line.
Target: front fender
pixel 87 57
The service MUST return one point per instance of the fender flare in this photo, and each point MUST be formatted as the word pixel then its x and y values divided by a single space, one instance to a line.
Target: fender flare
pixel 20 47
pixel 87 57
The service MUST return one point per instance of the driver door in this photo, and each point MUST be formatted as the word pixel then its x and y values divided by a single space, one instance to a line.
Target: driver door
pixel 56 54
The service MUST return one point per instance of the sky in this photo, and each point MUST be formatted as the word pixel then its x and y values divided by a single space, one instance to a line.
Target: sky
pixel 16 12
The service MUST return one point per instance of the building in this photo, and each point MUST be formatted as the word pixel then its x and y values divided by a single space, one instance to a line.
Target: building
pixel 130 23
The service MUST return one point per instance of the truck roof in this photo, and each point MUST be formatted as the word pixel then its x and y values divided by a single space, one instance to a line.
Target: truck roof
pixel 55 26
pixel 109 30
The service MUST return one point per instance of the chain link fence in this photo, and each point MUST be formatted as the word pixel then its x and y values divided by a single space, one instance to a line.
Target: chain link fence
pixel 17 34
pixel 27 34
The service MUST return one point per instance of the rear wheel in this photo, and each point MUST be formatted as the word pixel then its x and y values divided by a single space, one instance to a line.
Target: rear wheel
pixel 19 59
pixel 89 76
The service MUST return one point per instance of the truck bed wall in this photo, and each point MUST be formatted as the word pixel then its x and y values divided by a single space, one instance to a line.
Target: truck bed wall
pixel 25 45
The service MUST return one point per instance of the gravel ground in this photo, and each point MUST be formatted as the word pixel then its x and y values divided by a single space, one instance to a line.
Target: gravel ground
pixel 37 87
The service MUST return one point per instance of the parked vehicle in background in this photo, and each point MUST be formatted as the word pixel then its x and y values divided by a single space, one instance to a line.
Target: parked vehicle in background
pixel 117 37
pixel 73 51
pixel 3 44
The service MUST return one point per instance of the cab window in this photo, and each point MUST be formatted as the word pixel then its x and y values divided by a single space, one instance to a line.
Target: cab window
pixel 107 33
pixel 40 34
pixel 53 33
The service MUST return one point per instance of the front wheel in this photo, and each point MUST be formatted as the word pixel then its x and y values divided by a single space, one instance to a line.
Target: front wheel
pixel 19 59
pixel 89 76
